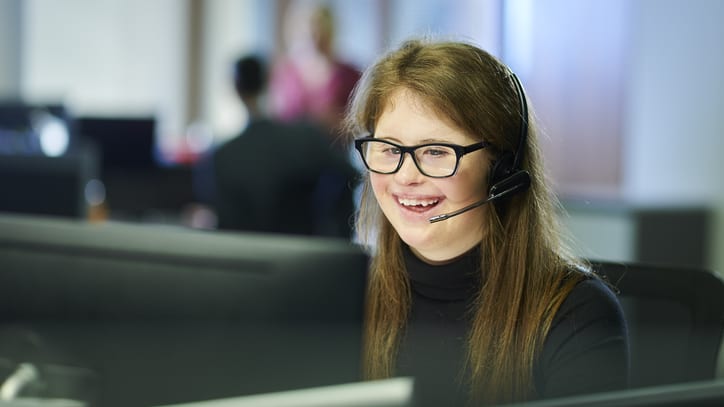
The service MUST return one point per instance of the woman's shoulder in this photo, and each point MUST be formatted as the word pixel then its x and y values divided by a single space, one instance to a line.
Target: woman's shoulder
pixel 586 349
pixel 591 296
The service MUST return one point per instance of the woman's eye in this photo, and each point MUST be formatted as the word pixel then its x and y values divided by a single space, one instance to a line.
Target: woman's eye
pixel 436 152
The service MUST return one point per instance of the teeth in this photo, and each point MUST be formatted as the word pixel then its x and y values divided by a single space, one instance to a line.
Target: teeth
pixel 417 202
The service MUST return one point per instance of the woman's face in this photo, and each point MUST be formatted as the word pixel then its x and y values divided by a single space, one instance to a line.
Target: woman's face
pixel 408 198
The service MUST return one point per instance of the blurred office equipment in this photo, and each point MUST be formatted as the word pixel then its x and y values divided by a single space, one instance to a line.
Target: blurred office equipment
pixel 34 129
pixel 708 393
pixel 43 170
pixel 394 392
pixel 163 314
pixel 138 186
pixel 37 184
pixel 666 234
pixel 123 143
pixel 675 318
pixel 678 236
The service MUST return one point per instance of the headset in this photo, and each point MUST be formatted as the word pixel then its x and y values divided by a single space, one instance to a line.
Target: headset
pixel 506 175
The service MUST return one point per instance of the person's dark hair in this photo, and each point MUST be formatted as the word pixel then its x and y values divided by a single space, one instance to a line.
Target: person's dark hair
pixel 250 75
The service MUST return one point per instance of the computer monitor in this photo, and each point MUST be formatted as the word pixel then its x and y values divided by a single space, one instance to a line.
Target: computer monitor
pixel 36 184
pixel 707 393
pixel 163 315
pixel 392 392
pixel 137 186
pixel 20 124
pixel 123 143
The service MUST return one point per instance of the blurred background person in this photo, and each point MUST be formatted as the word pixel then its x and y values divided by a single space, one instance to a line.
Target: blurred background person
pixel 308 80
pixel 276 177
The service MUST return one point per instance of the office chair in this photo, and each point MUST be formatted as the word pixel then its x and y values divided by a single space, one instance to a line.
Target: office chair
pixel 675 318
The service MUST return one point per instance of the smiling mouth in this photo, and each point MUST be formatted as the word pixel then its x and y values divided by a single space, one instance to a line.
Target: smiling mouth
pixel 417 205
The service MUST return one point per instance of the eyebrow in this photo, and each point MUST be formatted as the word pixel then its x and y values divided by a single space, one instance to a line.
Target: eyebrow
pixel 431 140
pixel 423 141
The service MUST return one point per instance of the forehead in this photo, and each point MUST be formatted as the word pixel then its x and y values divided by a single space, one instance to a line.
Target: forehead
pixel 410 118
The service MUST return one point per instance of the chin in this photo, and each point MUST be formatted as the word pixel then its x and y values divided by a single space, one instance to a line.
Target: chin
pixel 418 241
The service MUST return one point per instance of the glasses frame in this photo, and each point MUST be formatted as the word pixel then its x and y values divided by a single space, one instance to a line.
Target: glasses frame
pixel 460 151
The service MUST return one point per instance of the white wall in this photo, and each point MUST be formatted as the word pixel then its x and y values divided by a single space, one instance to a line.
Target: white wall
pixel 131 56
pixel 675 128
pixel 477 21
pixel 674 133
pixel 600 233
pixel 107 57
pixel 10 11
pixel 231 28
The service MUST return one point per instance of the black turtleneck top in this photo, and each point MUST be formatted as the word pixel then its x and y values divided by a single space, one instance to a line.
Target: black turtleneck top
pixel 586 350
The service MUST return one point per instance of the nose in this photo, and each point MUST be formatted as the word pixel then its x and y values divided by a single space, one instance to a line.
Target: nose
pixel 408 172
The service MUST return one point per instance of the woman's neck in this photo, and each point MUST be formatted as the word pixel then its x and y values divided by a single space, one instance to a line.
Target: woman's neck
pixel 441 262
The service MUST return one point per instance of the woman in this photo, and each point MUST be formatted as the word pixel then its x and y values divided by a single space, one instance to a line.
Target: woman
pixel 310 82
pixel 484 305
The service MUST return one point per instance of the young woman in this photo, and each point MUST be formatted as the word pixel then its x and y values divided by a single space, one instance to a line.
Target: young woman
pixel 471 290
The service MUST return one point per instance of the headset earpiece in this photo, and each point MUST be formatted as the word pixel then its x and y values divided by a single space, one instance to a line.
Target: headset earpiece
pixel 505 179
pixel 506 176
pixel 517 181
pixel 501 168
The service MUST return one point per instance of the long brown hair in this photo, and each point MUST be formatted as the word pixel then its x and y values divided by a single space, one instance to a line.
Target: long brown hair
pixel 526 272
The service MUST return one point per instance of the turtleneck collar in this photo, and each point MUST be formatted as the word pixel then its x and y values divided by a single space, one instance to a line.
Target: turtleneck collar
pixel 456 280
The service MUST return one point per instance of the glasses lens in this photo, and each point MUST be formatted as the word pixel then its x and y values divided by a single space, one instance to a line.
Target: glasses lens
pixel 381 156
pixel 432 160
pixel 436 160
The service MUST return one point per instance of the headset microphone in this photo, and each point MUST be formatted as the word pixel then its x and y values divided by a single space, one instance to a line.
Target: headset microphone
pixel 517 181
pixel 438 218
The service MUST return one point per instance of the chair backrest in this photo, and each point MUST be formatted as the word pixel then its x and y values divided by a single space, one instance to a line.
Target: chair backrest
pixel 675 318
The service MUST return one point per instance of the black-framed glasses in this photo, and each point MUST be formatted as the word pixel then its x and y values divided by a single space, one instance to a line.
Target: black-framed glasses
pixel 436 160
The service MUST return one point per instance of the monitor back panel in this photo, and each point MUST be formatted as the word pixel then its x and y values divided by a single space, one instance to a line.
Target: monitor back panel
pixel 162 315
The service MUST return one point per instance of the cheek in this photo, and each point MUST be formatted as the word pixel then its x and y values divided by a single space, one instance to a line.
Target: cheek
pixel 463 190
pixel 476 178
pixel 378 182
pixel 469 185
pixel 481 182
